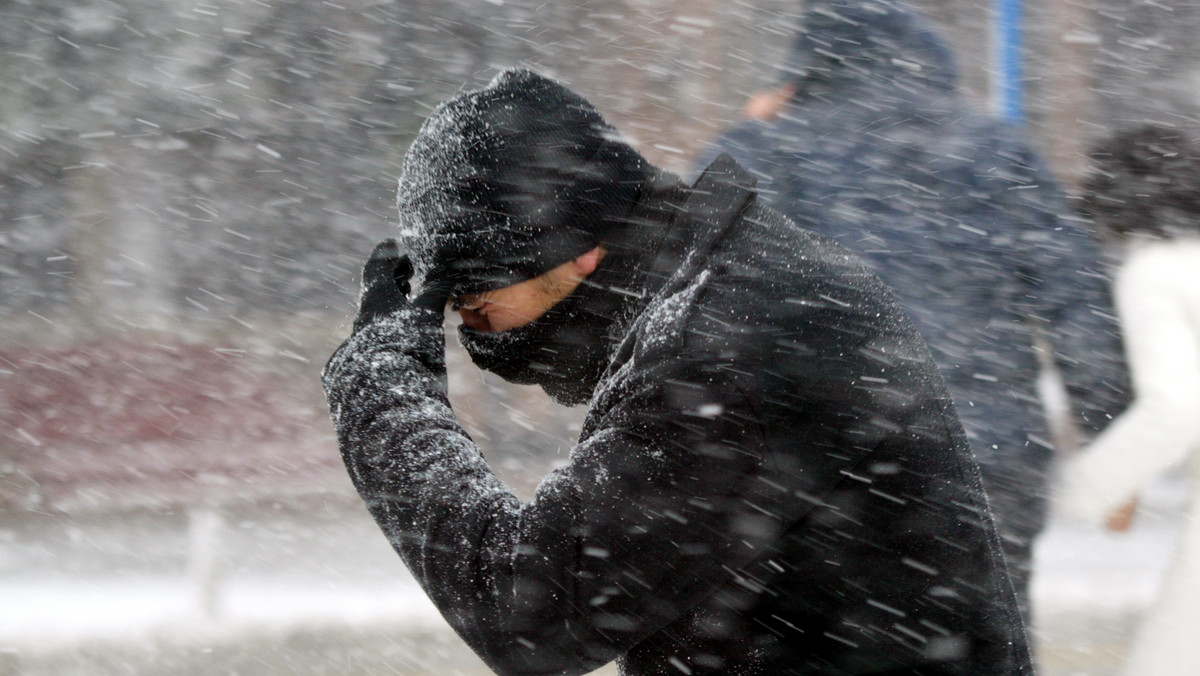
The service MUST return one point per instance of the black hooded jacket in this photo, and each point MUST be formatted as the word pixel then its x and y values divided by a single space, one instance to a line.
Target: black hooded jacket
pixel 770 479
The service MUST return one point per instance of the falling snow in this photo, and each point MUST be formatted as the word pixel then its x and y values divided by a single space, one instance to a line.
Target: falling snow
pixel 187 190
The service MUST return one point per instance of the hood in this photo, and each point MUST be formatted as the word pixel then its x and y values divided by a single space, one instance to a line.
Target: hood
pixel 868 43
pixel 506 182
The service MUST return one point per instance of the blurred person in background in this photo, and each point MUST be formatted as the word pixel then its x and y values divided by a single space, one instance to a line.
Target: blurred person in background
pixel 771 478
pixel 866 140
pixel 1144 192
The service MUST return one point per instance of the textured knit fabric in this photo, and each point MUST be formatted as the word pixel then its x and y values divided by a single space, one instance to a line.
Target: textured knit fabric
pixel 568 180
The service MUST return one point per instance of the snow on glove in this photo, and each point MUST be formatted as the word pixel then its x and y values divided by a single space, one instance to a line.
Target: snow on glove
pixel 395 344
pixel 385 284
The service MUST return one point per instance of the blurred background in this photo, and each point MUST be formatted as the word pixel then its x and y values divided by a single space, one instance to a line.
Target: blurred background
pixel 187 189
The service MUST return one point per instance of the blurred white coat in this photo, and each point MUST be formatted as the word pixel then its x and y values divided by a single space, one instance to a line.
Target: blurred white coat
pixel 1158 299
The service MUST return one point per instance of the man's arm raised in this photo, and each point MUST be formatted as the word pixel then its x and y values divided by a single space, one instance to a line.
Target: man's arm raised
pixel 657 508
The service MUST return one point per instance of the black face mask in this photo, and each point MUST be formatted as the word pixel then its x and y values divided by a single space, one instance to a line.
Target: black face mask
pixel 564 351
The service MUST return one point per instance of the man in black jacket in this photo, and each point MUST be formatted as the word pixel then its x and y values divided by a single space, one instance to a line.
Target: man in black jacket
pixel 770 478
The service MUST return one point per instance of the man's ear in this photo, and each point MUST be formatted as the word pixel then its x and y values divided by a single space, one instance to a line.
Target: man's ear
pixel 586 264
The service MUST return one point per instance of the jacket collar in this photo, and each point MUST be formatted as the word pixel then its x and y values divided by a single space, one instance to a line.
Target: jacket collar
pixel 671 233
pixel 714 203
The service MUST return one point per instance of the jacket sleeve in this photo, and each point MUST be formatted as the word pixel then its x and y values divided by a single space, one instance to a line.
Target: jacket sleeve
pixel 1161 426
pixel 657 506
pixel 1066 286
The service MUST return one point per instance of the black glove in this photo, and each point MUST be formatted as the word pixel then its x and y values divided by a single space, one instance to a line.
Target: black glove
pixel 385 286
pixel 388 322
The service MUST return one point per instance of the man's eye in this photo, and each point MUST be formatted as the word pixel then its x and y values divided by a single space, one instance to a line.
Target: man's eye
pixel 468 304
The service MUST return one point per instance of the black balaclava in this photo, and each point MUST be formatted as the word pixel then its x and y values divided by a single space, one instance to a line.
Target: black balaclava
pixel 565 350
pixel 505 183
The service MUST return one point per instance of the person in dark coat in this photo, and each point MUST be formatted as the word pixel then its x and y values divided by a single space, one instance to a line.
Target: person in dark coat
pixel 867 141
pixel 771 478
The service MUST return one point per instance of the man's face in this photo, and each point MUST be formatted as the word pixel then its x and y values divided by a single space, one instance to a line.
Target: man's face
pixel 513 306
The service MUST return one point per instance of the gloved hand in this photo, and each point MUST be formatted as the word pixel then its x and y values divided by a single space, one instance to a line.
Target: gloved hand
pixel 390 327
pixel 385 286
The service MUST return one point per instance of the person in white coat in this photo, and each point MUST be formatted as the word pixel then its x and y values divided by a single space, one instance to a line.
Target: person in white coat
pixel 1145 191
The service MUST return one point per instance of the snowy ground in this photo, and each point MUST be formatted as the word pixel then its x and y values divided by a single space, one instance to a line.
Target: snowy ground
pixel 308 586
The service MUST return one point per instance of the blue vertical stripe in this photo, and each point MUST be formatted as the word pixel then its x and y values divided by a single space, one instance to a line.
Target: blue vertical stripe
pixel 1010 89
